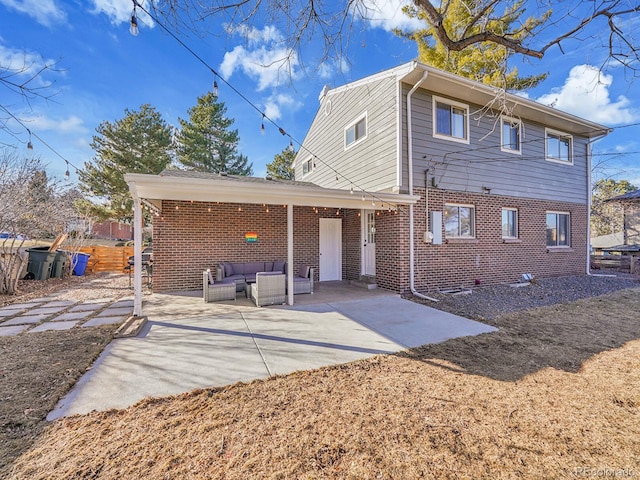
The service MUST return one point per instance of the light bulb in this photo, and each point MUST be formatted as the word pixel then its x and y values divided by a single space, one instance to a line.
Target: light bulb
pixel 133 29
pixel 215 88
pixel 291 146
pixel 29 145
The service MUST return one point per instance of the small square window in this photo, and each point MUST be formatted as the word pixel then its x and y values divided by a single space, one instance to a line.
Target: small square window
pixel 450 120
pixel 558 229
pixel 355 132
pixel 509 223
pixel 511 134
pixel 459 221
pixel 559 147
pixel 307 166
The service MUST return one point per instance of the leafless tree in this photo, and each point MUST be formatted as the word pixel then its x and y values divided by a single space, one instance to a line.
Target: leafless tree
pixel 604 27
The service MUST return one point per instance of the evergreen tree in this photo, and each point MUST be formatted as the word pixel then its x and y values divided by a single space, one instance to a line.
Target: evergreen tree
pixel 206 143
pixel 282 165
pixel 485 62
pixel 140 142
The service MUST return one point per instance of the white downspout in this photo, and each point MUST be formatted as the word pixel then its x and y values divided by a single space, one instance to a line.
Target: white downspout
pixel 410 168
pixel 589 192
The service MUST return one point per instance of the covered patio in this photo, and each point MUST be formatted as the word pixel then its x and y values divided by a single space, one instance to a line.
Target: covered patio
pixel 205 217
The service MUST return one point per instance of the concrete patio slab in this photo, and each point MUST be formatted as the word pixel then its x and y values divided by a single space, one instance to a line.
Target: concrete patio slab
pixel 97 321
pixel 114 312
pixel 53 326
pixel 60 303
pixel 46 310
pixel 84 307
pixel 71 316
pixel 11 331
pixel 25 305
pixel 25 319
pixel 10 312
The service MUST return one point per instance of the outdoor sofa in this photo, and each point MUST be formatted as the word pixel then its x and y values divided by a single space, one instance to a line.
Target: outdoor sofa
pixel 245 273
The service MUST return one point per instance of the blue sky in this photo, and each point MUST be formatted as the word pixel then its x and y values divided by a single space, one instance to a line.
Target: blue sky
pixel 101 69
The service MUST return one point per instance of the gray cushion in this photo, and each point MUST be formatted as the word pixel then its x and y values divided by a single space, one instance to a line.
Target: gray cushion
pixel 238 268
pixel 210 277
pixel 227 269
pixel 268 266
pixel 253 267
pixel 278 266
pixel 303 271
pixel 250 277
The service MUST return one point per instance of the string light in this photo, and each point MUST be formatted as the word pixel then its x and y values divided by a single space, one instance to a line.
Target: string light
pixel 133 28
pixel 262 129
pixel 291 149
pixel 215 86
pixel 66 174
pixel 29 144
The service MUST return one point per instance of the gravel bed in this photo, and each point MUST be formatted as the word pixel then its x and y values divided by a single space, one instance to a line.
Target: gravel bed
pixel 485 303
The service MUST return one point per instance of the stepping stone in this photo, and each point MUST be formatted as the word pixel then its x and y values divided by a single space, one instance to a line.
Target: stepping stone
pixel 30 304
pixel 46 310
pixel 122 303
pixel 97 321
pixel 24 320
pixel 84 307
pixel 11 331
pixel 71 316
pixel 9 312
pixel 60 303
pixel 113 312
pixel 53 326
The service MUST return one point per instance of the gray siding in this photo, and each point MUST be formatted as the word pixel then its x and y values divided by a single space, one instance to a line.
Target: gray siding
pixel 370 164
pixel 469 167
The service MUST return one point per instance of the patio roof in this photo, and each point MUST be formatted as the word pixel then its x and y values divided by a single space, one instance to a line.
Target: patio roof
pixel 209 187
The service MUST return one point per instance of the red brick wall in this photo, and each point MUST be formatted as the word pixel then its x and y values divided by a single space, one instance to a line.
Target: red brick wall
pixel 195 236
pixel 489 259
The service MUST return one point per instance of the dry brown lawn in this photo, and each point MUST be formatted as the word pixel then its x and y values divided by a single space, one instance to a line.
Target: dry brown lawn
pixel 554 394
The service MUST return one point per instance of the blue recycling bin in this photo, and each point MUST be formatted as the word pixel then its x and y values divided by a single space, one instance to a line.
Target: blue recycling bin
pixel 81 260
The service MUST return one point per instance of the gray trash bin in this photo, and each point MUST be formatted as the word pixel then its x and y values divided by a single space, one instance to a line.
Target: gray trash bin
pixel 59 264
pixel 40 262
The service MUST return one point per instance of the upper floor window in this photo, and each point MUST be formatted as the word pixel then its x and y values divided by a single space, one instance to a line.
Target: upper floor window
pixel 511 135
pixel 509 223
pixel 355 132
pixel 459 221
pixel 557 229
pixel 307 166
pixel 450 120
pixel 559 146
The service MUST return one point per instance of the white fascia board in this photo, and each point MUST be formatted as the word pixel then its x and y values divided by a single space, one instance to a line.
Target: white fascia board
pixel 397 72
pixel 155 187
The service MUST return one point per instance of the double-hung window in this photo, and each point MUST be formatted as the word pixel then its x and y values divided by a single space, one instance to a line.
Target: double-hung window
pixel 558 146
pixel 509 223
pixel 450 120
pixel 558 229
pixel 355 132
pixel 511 135
pixel 459 221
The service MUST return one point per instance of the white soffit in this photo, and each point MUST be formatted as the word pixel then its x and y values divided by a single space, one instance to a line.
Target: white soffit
pixel 229 190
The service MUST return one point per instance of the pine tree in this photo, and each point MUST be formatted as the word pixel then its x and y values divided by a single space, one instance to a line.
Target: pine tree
pixel 485 62
pixel 205 142
pixel 140 142
pixel 282 165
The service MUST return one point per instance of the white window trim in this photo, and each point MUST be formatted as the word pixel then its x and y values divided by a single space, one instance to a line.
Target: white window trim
pixel 517 225
pixel 504 118
pixel 556 212
pixel 364 116
pixel 558 133
pixel 473 221
pixel 310 162
pixel 453 103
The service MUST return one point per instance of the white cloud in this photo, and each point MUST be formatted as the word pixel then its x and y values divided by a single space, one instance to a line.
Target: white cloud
pixel 263 59
pixel 119 11
pixel 69 125
pixel 256 36
pixel 45 12
pixel 585 93
pixel 388 15
pixel 276 103
pixel 329 68
pixel 23 63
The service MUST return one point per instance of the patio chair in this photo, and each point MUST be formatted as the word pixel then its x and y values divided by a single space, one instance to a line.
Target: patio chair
pixel 303 282
pixel 269 289
pixel 214 292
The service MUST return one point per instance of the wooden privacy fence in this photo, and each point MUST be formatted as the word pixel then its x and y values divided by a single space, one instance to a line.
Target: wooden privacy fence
pixel 107 259
pixel 625 263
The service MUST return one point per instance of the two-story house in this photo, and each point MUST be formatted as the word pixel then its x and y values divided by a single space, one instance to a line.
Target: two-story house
pixel 414 176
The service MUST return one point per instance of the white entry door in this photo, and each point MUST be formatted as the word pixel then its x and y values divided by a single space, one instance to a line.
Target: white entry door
pixel 369 242
pixel 330 249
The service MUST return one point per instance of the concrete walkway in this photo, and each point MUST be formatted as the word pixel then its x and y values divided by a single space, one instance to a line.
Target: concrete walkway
pixel 188 344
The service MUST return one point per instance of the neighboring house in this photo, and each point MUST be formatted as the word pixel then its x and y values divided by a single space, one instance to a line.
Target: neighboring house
pixel 630 203
pixel 413 176
pixel 112 230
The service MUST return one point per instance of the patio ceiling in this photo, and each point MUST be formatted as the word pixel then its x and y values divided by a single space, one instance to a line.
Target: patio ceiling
pixel 203 187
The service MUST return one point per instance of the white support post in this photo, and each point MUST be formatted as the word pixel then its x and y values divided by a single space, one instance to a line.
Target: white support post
pixel 137 259
pixel 290 253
